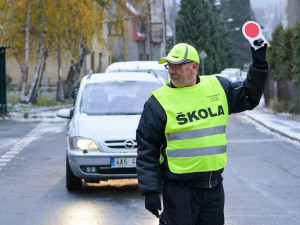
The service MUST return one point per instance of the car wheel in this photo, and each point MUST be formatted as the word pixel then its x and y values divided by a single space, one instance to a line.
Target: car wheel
pixel 73 183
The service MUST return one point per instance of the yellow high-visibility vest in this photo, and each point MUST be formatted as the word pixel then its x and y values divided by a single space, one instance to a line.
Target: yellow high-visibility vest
pixel 196 122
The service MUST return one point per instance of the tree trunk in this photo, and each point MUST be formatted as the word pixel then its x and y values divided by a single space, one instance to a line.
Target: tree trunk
pixel 38 85
pixel 25 69
pixel 31 97
pixel 60 89
pixel 43 72
pixel 24 73
pixel 73 78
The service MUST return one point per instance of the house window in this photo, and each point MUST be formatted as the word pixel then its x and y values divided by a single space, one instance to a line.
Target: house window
pixel 100 61
pixel 93 61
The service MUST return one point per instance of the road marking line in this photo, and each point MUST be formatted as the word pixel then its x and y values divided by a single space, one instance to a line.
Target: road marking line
pixel 16 149
pixel 5 160
pixel 24 142
pixel 10 152
pixel 24 145
pixel 8 156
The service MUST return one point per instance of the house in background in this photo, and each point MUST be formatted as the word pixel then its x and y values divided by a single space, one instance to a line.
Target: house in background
pixel 131 45
pixel 97 59
pixel 137 41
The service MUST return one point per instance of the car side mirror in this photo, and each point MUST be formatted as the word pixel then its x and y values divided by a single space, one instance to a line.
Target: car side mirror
pixel 64 113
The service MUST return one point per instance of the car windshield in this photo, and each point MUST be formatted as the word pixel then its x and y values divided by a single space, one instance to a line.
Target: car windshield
pixel 115 98
pixel 163 73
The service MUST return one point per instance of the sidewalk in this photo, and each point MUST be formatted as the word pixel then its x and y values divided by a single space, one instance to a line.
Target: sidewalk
pixel 285 124
pixel 31 113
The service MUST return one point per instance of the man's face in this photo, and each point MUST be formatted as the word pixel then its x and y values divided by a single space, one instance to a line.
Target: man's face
pixel 183 75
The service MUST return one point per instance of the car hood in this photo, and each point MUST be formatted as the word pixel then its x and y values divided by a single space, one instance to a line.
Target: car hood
pixel 108 127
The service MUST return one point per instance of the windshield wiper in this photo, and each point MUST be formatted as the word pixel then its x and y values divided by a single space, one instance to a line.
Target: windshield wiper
pixel 108 114
pixel 131 113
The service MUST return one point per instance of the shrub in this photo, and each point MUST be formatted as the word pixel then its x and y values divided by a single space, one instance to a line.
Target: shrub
pixel 281 106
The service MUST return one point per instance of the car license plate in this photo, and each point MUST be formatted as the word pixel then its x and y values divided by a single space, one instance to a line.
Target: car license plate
pixel 123 162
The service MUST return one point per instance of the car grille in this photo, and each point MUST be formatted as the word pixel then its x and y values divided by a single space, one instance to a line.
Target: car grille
pixel 110 170
pixel 121 144
pixel 103 170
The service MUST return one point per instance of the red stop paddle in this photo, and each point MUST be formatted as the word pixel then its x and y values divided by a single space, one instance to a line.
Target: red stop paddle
pixel 253 34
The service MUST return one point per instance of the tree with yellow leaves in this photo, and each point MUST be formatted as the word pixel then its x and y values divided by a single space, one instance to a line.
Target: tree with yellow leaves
pixel 33 27
pixel 83 21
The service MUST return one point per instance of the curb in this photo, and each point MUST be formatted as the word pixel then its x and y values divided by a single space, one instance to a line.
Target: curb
pixel 272 129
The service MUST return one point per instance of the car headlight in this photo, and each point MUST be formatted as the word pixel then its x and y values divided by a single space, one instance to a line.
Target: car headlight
pixel 83 143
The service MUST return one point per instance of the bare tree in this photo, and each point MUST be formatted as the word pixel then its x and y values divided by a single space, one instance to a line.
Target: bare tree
pixel 293 9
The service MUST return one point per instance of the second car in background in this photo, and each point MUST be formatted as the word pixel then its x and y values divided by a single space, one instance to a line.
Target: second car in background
pixel 234 73
pixel 140 66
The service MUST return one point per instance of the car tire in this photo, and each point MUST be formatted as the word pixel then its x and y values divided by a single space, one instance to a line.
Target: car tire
pixel 73 183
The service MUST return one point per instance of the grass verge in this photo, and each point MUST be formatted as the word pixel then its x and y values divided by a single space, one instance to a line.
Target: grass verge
pixel 45 100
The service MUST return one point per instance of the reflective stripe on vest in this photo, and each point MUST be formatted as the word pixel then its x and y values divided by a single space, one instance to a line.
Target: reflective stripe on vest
pixel 196 122
pixel 196 133
pixel 197 151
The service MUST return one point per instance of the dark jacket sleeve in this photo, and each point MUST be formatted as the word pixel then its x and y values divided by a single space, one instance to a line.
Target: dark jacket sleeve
pixel 150 138
pixel 245 95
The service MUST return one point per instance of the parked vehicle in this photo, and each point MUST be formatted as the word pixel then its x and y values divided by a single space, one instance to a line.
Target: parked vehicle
pixel 232 71
pixel 140 66
pixel 243 75
pixel 238 70
pixel 225 75
pixel 233 74
pixel 102 126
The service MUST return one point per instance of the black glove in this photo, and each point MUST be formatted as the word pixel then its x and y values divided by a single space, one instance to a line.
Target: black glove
pixel 152 203
pixel 259 56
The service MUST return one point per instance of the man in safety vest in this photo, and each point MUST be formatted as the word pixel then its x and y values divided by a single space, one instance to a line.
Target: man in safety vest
pixel 182 141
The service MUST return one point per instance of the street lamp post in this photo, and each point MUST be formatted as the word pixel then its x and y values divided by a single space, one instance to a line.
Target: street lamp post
pixel 234 29
pixel 218 4
pixel 202 56
pixel 230 20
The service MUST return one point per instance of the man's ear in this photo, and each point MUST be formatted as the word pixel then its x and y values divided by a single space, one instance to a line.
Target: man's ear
pixel 195 67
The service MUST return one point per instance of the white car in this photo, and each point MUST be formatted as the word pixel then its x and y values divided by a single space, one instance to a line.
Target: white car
pixel 233 75
pixel 238 71
pixel 140 66
pixel 102 126
pixel 243 75
pixel 225 75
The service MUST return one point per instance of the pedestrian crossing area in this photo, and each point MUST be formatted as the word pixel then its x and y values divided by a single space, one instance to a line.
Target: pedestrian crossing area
pixel 20 144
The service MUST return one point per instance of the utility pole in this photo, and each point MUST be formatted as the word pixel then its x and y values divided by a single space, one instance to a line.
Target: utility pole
pixel 148 32
pixel 163 44
pixel 174 30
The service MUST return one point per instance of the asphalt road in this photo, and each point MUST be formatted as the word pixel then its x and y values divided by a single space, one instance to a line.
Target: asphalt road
pixel 261 181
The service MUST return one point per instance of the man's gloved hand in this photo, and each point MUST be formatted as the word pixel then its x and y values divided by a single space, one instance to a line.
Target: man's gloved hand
pixel 152 203
pixel 259 56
